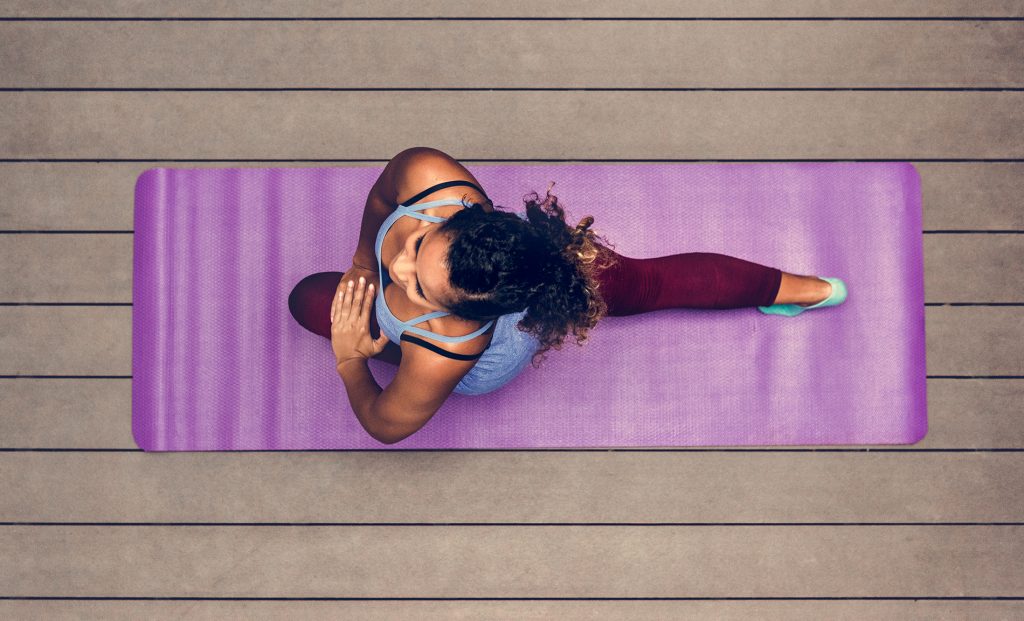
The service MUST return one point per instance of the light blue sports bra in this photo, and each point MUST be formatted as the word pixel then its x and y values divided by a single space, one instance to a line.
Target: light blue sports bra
pixel 398 326
pixel 510 349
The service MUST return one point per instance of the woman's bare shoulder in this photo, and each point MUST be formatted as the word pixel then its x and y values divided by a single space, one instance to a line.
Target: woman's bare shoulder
pixel 419 168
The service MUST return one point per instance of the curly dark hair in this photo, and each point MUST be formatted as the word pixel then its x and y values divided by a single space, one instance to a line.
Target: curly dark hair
pixel 501 264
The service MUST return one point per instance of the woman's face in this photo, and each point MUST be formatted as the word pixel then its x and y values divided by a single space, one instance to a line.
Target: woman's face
pixel 421 261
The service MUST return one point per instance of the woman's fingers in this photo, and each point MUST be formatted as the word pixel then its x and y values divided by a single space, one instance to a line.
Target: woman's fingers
pixel 367 304
pixel 336 301
pixel 357 302
pixel 354 300
pixel 339 312
pixel 339 304
pixel 346 302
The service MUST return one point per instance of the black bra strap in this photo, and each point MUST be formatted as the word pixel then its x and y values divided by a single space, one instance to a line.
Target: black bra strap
pixel 445 184
pixel 436 349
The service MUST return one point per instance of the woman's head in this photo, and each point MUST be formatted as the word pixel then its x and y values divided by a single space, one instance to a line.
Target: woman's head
pixel 419 269
pixel 496 263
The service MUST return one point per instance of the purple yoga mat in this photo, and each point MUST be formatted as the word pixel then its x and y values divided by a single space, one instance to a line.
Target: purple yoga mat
pixel 219 363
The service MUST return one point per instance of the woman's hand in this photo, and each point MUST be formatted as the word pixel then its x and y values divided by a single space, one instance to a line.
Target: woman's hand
pixel 353 273
pixel 350 321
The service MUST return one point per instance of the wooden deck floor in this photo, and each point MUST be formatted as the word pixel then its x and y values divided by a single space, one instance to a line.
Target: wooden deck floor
pixel 91 527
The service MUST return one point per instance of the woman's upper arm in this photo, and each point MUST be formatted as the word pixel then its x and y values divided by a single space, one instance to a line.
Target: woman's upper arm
pixel 422 384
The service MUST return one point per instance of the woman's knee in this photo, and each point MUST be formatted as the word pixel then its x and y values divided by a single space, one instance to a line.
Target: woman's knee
pixel 310 301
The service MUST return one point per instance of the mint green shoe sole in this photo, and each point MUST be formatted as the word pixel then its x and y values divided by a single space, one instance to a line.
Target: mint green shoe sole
pixel 837 297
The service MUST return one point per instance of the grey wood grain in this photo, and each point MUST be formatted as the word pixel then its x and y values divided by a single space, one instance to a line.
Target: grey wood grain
pixel 523 8
pixel 516 610
pixel 576 54
pixel 500 561
pixel 375 124
pixel 511 487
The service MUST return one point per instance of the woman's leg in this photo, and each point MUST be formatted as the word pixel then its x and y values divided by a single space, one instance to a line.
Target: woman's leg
pixel 310 301
pixel 700 280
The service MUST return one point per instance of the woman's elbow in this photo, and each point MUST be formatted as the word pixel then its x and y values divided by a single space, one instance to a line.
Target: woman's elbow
pixel 392 434
pixel 386 439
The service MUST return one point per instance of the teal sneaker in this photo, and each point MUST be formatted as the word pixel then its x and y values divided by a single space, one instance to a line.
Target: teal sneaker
pixel 838 296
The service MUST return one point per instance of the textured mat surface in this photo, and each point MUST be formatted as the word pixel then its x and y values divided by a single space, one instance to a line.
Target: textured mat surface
pixel 220 364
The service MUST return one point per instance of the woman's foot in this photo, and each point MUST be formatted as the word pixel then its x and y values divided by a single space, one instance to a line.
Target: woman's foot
pixel 828 291
pixel 824 290
pixel 802 291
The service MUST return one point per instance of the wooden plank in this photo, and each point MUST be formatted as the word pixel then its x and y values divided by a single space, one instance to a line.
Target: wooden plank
pixel 90 196
pixel 523 8
pixel 497 561
pixel 515 610
pixel 511 487
pixel 675 54
pixel 96 414
pixel 97 268
pixel 973 340
pixel 674 125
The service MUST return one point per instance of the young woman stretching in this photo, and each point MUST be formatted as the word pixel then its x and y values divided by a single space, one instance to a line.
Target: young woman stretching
pixel 464 296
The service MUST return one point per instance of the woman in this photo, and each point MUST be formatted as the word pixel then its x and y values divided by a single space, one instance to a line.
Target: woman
pixel 472 294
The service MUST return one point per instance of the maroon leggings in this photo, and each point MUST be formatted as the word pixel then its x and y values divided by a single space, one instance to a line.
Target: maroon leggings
pixel 631 286
pixel 687 280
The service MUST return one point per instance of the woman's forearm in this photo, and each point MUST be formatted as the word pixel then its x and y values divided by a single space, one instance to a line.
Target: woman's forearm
pixel 362 391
